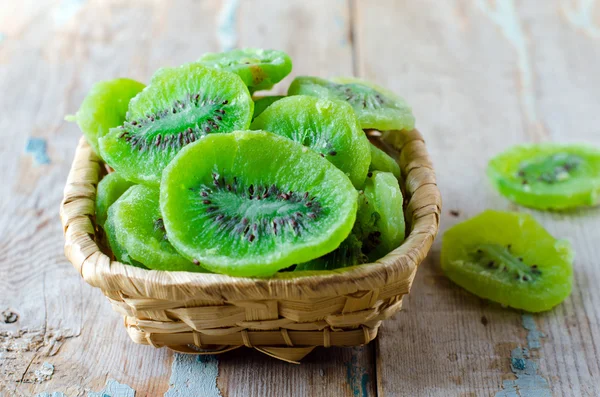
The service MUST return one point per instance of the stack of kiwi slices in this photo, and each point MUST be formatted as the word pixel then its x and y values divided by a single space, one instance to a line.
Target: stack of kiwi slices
pixel 207 177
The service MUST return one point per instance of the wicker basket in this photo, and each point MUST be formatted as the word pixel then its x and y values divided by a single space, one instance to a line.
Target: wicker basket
pixel 285 316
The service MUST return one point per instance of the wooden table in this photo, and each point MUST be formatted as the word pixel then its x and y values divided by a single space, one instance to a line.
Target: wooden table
pixel 480 75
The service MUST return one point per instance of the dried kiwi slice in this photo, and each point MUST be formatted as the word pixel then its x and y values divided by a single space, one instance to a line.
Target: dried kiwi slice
pixel 380 218
pixel 509 258
pixel 135 224
pixel 260 104
pixel 349 253
pixel 328 127
pixel 259 69
pixel 548 176
pixel 105 107
pixel 375 106
pixel 381 161
pixel 251 203
pixel 110 188
pixel 179 106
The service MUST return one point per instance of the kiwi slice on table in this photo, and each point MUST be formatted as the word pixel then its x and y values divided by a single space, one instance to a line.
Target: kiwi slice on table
pixel 260 104
pixel 380 218
pixel 259 69
pixel 179 106
pixel 137 234
pixel 105 107
pixel 110 188
pixel 375 106
pixel 548 176
pixel 251 203
pixel 381 161
pixel 509 258
pixel 327 127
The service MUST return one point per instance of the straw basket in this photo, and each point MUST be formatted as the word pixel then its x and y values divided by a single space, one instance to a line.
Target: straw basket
pixel 285 316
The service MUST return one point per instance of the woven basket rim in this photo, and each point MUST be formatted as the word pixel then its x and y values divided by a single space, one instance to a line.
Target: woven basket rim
pixel 98 270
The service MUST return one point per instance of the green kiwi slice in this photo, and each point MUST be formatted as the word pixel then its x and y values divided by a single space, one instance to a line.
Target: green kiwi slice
pixel 179 106
pixel 509 258
pixel 105 107
pixel 251 203
pixel 375 106
pixel 327 127
pixel 260 104
pixel 349 253
pixel 548 176
pixel 110 188
pixel 137 233
pixel 259 69
pixel 381 161
pixel 380 218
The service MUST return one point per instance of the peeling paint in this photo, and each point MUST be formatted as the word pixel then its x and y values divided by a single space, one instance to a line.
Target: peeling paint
pixel 226 28
pixel 581 16
pixel 505 16
pixel 47 341
pixel 534 335
pixel 67 10
pixel 37 147
pixel 113 389
pixel 44 373
pixel 357 376
pixel 528 382
pixel 193 376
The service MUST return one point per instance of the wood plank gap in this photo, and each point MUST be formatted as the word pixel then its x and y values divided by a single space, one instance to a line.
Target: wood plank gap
pixel 352 36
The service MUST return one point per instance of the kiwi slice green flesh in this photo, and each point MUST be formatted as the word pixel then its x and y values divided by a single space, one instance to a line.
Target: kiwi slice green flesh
pixel 375 106
pixel 110 188
pixel 380 219
pixel 105 107
pixel 327 127
pixel 135 224
pixel 508 258
pixel 548 176
pixel 259 69
pixel 179 106
pixel 260 104
pixel 349 253
pixel 381 161
pixel 251 203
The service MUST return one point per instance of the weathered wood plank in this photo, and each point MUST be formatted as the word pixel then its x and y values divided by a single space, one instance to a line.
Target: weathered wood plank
pixel 481 77
pixel 47 67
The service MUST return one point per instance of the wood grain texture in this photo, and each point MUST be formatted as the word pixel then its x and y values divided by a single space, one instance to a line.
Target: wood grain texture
pixel 50 55
pixel 482 76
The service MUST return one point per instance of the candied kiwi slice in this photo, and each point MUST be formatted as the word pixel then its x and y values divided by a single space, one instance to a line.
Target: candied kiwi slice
pixel 260 104
pixel 259 69
pixel 548 176
pixel 104 107
pixel 251 203
pixel 375 106
pixel 329 128
pixel 381 161
pixel 110 188
pixel 179 106
pixel 380 219
pixel 349 253
pixel 509 258
pixel 136 225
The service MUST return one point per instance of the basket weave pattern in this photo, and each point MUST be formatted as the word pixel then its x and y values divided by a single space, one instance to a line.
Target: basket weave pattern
pixel 285 316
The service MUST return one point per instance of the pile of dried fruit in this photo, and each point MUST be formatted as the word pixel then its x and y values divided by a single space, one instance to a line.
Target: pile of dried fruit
pixel 208 180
